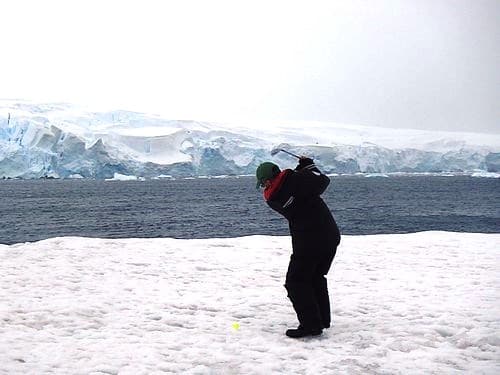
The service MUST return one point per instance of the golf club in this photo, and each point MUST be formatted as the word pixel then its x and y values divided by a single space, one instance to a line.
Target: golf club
pixel 276 150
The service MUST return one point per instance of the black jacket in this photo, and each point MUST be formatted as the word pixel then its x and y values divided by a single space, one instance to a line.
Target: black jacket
pixel 297 198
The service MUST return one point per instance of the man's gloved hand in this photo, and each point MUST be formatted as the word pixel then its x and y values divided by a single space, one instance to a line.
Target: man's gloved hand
pixel 304 161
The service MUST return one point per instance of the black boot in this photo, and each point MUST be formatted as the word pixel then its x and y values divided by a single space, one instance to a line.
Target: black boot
pixel 303 332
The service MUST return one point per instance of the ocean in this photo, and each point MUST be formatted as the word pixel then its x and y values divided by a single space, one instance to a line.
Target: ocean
pixel 231 207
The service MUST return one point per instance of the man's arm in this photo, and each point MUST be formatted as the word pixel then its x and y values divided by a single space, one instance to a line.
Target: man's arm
pixel 309 181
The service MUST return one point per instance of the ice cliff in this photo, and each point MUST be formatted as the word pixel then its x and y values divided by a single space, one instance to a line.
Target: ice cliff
pixel 64 141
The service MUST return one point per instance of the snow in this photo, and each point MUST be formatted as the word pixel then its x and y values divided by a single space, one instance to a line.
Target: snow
pixel 326 134
pixel 412 303
pixel 147 131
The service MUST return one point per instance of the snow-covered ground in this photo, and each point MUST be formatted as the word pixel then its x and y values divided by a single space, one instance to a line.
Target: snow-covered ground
pixel 412 304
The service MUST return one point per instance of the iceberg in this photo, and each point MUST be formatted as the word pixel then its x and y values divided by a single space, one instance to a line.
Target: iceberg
pixel 377 175
pixel 486 174
pixel 62 141
pixel 122 177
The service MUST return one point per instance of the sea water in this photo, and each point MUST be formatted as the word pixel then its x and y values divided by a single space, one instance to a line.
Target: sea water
pixel 229 207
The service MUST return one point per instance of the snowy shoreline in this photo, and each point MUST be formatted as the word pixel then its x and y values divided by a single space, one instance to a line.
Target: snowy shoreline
pixel 120 177
pixel 404 303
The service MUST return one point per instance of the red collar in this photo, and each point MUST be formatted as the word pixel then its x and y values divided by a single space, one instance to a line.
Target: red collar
pixel 275 185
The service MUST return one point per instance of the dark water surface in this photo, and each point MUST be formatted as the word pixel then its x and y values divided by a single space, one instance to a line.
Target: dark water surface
pixel 202 208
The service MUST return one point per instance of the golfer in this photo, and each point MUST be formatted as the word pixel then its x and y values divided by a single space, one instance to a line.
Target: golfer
pixel 296 194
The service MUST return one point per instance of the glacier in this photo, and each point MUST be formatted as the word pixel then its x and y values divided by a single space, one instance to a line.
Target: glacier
pixel 60 140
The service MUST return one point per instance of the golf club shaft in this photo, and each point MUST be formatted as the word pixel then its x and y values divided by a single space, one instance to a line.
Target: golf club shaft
pixel 290 153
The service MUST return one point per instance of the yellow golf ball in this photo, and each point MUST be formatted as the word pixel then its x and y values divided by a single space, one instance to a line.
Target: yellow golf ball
pixel 236 326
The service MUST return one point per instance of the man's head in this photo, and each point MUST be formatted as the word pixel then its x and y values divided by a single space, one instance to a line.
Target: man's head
pixel 266 172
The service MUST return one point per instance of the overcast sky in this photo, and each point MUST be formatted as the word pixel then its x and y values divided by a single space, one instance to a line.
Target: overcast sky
pixel 425 64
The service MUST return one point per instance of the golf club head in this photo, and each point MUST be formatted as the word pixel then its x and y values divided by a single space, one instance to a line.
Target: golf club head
pixel 274 151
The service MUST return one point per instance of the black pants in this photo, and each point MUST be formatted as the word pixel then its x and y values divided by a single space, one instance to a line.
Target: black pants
pixel 308 290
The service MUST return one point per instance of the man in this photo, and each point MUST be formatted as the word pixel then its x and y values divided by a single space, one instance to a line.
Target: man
pixel 315 236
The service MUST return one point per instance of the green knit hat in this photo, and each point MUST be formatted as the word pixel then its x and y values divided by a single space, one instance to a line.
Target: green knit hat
pixel 266 171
